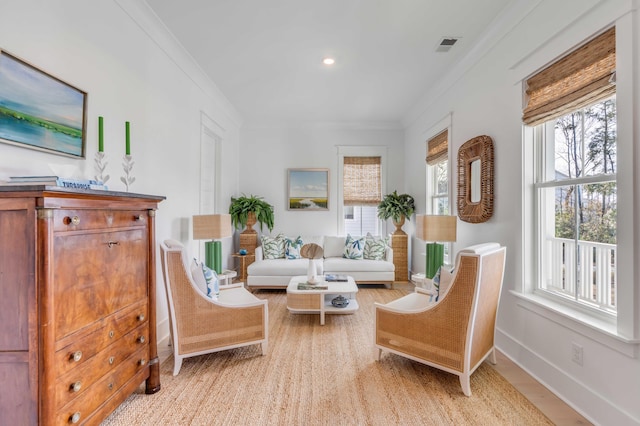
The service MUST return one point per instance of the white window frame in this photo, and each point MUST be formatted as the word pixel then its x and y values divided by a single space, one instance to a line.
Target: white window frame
pixel 544 141
pixel 430 182
pixel 623 334
pixel 360 151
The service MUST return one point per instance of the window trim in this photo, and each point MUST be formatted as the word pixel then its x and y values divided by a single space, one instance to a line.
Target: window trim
pixel 445 124
pixel 627 327
pixel 360 151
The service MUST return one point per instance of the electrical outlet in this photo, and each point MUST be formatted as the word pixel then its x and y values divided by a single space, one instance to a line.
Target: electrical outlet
pixel 576 353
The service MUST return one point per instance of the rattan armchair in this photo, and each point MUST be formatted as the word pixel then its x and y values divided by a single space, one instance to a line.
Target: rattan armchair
pixel 201 325
pixel 455 334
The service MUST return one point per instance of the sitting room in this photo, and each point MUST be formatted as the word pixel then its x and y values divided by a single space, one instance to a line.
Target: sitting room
pixel 333 213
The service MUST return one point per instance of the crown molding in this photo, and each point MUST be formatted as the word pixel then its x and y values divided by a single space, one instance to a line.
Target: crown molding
pixel 149 22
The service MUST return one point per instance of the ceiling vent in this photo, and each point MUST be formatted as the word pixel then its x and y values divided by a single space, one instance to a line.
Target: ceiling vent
pixel 446 43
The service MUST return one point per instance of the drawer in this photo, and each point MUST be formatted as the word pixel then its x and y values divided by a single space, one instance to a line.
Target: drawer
pixel 80 408
pixel 77 349
pixel 78 380
pixel 97 274
pixel 82 220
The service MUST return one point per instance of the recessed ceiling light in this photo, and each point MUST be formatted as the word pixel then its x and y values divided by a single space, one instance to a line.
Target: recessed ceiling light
pixel 328 61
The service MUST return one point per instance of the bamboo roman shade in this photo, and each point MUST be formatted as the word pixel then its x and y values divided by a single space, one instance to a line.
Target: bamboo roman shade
pixel 437 148
pixel 580 78
pixel 361 181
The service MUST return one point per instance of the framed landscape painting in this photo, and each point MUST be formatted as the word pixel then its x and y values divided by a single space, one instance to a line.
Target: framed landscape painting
pixel 308 189
pixel 39 111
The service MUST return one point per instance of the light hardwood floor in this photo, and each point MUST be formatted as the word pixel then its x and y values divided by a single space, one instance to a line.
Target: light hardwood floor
pixel 553 407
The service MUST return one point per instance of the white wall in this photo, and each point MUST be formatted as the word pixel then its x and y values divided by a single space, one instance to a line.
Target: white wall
pixel 483 96
pixel 133 72
pixel 269 150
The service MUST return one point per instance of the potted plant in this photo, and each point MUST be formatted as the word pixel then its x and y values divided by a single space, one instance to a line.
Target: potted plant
pixel 396 207
pixel 246 211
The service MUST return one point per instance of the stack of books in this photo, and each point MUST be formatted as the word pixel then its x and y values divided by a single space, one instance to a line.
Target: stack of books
pixel 335 278
pixel 56 181
pixel 312 286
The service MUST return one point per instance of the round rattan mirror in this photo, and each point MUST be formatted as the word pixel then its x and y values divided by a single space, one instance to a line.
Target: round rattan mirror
pixel 475 180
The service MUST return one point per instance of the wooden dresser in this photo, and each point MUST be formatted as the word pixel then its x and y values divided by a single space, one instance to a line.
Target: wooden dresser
pixel 77 303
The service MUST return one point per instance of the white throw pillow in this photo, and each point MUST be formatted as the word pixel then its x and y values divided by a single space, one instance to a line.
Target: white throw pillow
pixel 198 276
pixel 333 246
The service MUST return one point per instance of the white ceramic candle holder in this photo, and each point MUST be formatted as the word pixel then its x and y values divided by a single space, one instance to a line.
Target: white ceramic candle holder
pixel 127 166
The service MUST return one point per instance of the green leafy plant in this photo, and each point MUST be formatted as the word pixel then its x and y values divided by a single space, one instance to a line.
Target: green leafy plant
pixel 395 207
pixel 241 207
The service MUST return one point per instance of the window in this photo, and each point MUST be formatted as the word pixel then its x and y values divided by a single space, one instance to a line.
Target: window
pixel 438 181
pixel 361 189
pixel 438 173
pixel 572 106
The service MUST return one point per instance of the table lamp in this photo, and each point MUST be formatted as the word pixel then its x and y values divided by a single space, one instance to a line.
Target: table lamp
pixel 213 227
pixel 435 228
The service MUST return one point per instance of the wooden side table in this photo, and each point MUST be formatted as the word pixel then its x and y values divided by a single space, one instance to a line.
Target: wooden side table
pixel 399 244
pixel 244 261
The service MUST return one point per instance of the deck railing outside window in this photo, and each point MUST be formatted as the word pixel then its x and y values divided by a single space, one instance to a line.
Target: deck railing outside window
pixel 586 273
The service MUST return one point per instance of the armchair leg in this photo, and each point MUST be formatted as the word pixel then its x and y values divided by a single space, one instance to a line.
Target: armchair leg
pixel 465 382
pixel 492 357
pixel 177 364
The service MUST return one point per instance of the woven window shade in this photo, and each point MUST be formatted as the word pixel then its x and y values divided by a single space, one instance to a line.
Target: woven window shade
pixel 579 79
pixel 361 181
pixel 437 148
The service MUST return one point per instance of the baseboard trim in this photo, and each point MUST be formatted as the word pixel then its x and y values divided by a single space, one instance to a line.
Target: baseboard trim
pixel 588 402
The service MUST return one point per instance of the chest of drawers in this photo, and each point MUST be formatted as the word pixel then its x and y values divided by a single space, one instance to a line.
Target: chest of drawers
pixel 77 311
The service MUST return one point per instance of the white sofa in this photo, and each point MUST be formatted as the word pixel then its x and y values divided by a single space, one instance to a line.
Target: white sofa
pixel 276 273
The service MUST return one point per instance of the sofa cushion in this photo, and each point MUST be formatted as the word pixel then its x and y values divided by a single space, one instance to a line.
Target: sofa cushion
pixel 353 248
pixel 375 248
pixel 283 267
pixel 292 247
pixel 333 246
pixel 273 247
pixel 342 265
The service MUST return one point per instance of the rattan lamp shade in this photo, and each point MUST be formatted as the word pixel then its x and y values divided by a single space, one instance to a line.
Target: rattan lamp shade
pixel 435 228
pixel 211 226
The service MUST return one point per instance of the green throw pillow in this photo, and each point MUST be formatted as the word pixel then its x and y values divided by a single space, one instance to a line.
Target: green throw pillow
pixel 375 248
pixel 273 248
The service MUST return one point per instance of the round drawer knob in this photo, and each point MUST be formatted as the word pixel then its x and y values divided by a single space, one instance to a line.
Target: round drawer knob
pixel 110 386
pixel 111 334
pixel 76 356
pixel 141 339
pixel 143 362
pixel 141 317
pixel 75 220
pixel 75 418
pixel 75 387
pixel 111 360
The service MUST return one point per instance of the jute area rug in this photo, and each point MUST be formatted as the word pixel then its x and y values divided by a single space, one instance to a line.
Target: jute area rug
pixel 322 375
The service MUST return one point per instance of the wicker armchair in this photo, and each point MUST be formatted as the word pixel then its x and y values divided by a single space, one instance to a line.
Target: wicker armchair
pixel 200 325
pixel 456 333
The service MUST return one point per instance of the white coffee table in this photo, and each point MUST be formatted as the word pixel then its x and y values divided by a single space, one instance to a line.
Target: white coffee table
pixel 319 300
